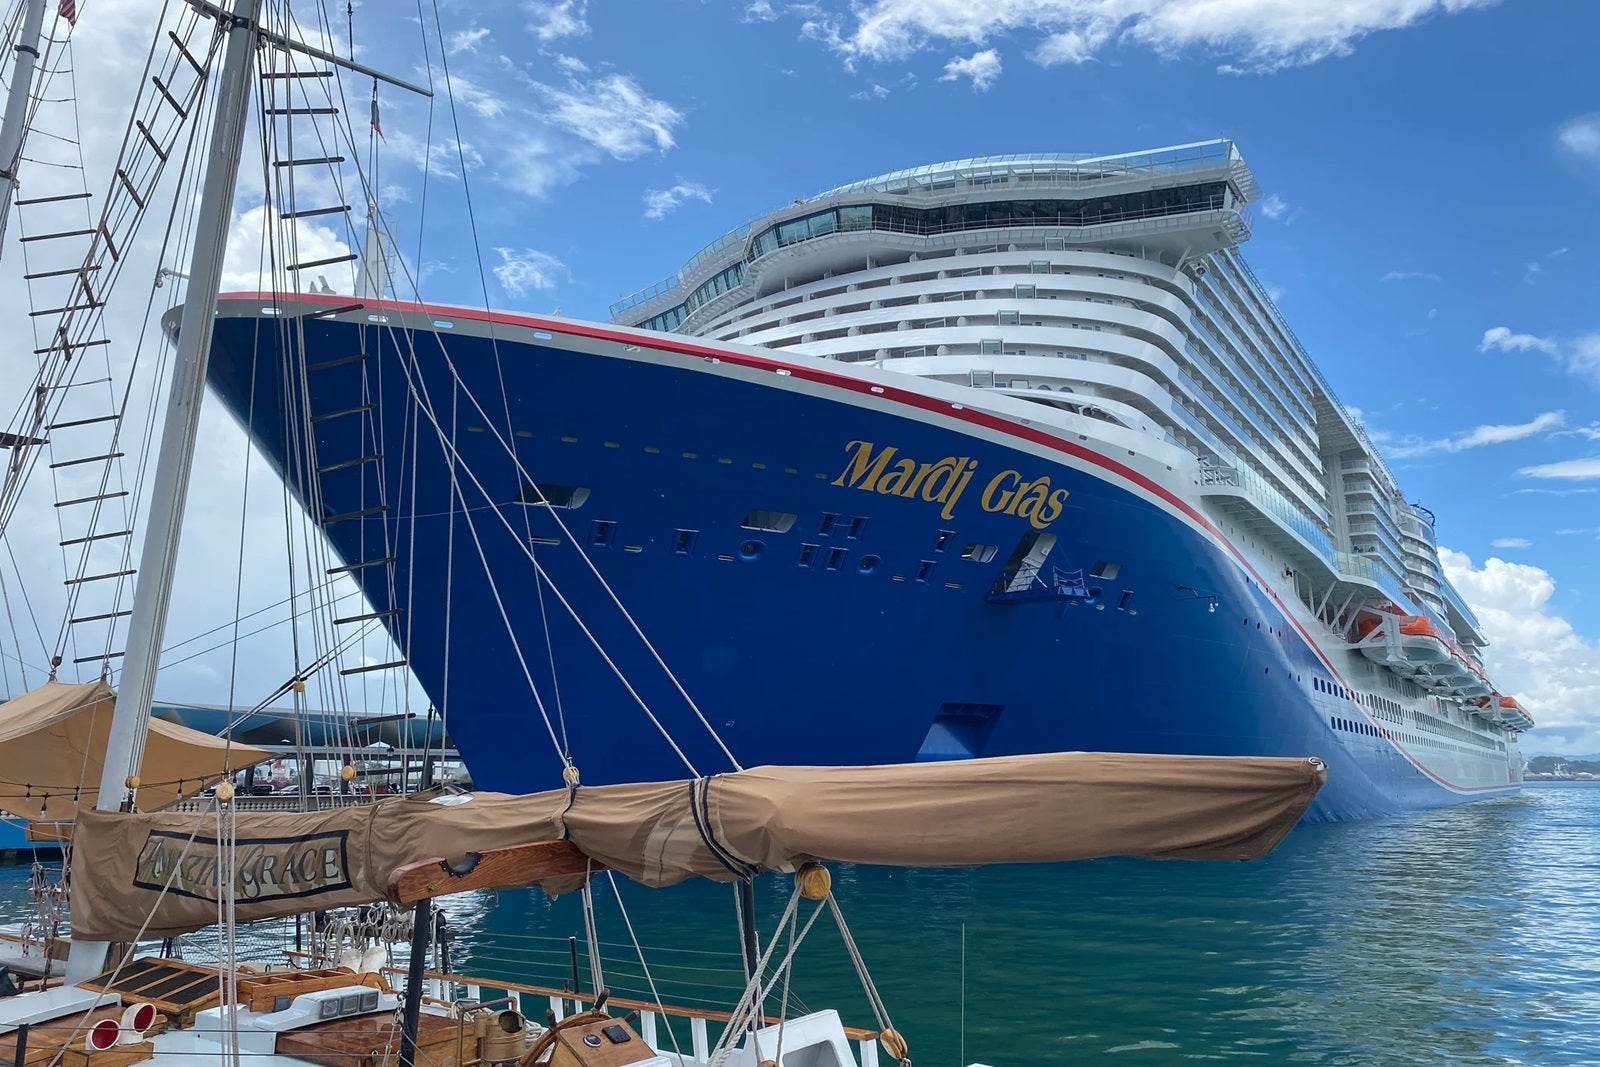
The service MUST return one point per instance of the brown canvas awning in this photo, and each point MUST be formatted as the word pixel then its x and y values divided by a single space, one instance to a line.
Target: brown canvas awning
pixel 53 743
pixel 1019 809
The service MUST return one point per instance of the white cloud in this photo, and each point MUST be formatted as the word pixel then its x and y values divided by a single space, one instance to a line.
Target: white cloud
pixel 1511 542
pixel 877 92
pixel 551 20
pixel 982 67
pixel 247 265
pixel 1501 338
pixel 760 11
pixel 1581 138
pixel 1274 206
pixel 522 271
pixel 1577 470
pixel 1070 46
pixel 657 202
pixel 1579 356
pixel 1410 276
pixel 1255 35
pixel 613 114
pixel 1535 654
pixel 466 40
pixel 1478 437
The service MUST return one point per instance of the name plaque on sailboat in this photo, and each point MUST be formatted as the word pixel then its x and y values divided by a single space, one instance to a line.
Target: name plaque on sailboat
pixel 267 868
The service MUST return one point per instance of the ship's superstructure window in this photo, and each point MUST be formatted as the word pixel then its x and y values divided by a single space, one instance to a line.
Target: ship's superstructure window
pixel 979 553
pixel 555 496
pixel 1105 570
pixel 769 520
pixel 683 542
pixel 603 533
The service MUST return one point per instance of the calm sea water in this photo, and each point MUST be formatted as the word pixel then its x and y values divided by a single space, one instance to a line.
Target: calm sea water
pixel 1466 936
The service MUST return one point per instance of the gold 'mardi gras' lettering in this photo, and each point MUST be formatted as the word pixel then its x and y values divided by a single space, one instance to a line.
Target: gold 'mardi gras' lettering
pixel 876 470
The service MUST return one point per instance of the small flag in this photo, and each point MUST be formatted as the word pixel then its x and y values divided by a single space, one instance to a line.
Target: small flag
pixel 68 10
pixel 377 127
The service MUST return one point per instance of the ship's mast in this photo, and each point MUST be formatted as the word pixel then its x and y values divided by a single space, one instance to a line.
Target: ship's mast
pixel 175 459
pixel 14 126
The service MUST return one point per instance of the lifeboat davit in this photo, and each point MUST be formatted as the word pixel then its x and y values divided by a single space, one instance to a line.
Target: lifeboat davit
pixel 1510 714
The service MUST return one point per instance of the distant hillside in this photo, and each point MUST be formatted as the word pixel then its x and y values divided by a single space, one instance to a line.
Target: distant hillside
pixel 1546 764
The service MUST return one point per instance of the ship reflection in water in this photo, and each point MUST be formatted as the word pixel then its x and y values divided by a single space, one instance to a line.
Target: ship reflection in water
pixel 1461 936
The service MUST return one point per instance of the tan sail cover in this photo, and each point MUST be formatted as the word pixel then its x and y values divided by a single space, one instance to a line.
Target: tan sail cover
pixel 53 742
pixel 1019 809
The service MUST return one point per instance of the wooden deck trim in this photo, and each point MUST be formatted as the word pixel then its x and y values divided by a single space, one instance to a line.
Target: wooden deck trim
pixel 852 1032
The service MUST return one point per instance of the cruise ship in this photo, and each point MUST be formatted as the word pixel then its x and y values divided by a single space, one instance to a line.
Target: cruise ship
pixel 1000 455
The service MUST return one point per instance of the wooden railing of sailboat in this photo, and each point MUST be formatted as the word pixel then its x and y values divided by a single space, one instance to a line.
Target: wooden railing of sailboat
pixel 565 1001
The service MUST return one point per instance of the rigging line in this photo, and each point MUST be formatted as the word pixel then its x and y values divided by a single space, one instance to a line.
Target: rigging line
pixel 655 996
pixel 184 208
pixel 550 653
pixel 528 550
pixel 588 560
pixel 121 409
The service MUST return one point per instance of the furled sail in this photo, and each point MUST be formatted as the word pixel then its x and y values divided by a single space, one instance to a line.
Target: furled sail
pixel 53 741
pixel 1015 809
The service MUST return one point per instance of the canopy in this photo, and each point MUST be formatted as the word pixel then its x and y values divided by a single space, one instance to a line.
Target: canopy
pixel 53 743
pixel 1017 809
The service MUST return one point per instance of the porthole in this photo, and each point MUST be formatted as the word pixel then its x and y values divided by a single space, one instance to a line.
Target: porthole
pixel 868 564
pixel 750 550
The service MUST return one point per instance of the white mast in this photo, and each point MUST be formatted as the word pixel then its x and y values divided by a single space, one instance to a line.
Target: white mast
pixel 176 457
pixel 374 280
pixel 15 124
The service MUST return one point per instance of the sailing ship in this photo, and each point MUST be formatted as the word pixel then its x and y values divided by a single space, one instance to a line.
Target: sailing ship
pixel 139 872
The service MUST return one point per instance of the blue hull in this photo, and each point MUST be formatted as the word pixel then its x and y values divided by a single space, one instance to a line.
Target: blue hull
pixel 880 643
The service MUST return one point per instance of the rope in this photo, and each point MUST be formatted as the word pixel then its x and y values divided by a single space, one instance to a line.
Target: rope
pixel 649 980
pixel 879 1010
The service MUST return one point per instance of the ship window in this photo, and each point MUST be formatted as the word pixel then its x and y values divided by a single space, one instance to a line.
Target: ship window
pixel 979 553
pixel 604 532
pixel 807 554
pixel 769 520
pixel 981 379
pixel 857 524
pixel 943 541
pixel 826 525
pixel 1008 318
pixel 993 346
pixel 1105 570
pixel 555 496
pixel 836 558
pixel 925 570
pixel 683 542
pixel 1039 266
pixel 1025 292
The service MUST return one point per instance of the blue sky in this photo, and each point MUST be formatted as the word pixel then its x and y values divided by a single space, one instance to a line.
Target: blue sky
pixel 1431 171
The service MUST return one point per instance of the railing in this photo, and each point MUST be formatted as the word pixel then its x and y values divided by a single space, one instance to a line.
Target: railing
pixel 565 1001
pixel 1273 503
pixel 717 251
pixel 1047 169
pixel 275 802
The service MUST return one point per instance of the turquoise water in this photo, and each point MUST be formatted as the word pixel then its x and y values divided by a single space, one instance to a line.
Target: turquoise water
pixel 1465 936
